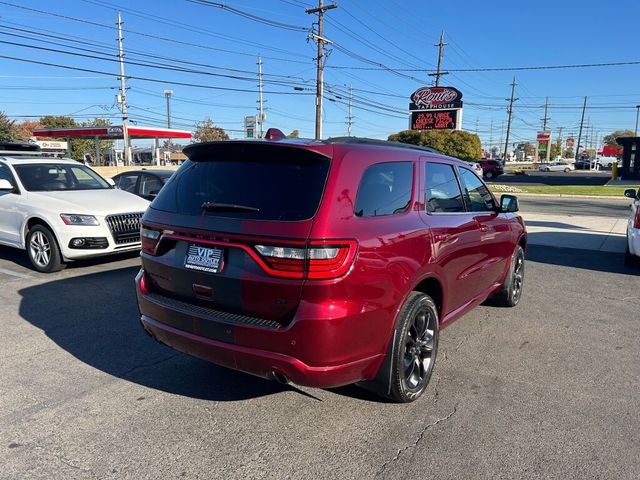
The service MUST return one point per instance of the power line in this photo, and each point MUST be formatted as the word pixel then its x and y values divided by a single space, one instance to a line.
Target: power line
pixel 255 18
pixel 504 69
pixel 146 79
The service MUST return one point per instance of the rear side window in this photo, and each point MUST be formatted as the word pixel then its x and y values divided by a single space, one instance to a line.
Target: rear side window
pixel 480 198
pixel 260 186
pixel 443 194
pixel 385 189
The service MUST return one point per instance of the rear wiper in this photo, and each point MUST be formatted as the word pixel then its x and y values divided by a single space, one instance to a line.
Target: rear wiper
pixel 227 207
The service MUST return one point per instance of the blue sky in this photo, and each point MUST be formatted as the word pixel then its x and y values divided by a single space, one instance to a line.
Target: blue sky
pixel 398 34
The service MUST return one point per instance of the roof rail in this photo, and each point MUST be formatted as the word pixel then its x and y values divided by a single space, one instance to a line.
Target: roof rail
pixel 23 153
pixel 385 143
pixel 19 147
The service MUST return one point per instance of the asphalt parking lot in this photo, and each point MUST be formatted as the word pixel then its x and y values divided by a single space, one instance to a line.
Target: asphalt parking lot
pixel 546 390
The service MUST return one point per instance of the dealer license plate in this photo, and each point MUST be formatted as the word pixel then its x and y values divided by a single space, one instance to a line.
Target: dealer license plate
pixel 204 259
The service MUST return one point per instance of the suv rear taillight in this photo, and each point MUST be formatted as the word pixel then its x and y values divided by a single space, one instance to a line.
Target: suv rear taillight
pixel 636 217
pixel 149 238
pixel 318 260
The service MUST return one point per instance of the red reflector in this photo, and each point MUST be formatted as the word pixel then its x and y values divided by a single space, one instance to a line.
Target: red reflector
pixel 143 285
pixel 636 218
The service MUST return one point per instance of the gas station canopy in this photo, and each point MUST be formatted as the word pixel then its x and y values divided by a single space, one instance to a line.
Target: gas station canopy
pixel 111 132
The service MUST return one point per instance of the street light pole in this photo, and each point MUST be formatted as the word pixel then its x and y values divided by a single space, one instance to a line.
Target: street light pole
pixel 167 94
pixel 637 112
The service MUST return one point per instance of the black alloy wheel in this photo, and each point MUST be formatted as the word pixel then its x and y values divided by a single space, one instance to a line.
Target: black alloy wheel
pixel 414 348
pixel 511 290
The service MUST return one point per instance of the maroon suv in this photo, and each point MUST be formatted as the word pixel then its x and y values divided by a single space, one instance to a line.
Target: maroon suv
pixel 324 263
pixel 491 168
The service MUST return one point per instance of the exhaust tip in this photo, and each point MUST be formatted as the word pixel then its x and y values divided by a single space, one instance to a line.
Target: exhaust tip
pixel 279 377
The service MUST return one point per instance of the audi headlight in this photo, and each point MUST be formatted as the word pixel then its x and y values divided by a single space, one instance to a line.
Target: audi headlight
pixel 73 219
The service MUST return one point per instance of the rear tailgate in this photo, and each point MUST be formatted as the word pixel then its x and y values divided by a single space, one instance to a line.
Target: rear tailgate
pixel 228 203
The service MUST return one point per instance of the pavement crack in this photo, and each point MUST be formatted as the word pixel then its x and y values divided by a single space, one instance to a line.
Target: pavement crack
pixel 147 365
pixel 418 439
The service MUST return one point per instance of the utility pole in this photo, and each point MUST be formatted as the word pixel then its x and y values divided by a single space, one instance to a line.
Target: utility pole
pixel 560 141
pixel 350 118
pixel 167 94
pixel 439 72
pixel 635 134
pixel 584 108
pixel 320 40
pixel 260 101
pixel 510 111
pixel 491 140
pixel 545 119
pixel 123 97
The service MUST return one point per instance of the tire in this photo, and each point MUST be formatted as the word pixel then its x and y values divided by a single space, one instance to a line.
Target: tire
pixel 567 170
pixel 511 291
pixel 489 175
pixel 406 371
pixel 547 169
pixel 43 250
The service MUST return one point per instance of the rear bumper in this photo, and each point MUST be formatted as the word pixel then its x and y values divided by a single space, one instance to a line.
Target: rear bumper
pixel 258 350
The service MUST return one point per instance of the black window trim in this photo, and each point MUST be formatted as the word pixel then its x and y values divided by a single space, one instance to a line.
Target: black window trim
pixel 465 191
pixel 462 191
pixel 411 203
pixel 16 185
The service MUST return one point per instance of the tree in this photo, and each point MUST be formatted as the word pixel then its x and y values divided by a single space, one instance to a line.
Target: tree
pixel 294 134
pixel 24 130
pixel 611 138
pixel 456 143
pixel 7 128
pixel 556 149
pixel 206 131
pixel 528 149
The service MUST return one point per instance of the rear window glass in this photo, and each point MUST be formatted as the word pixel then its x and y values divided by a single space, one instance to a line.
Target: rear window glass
pixel 385 189
pixel 263 188
pixel 443 194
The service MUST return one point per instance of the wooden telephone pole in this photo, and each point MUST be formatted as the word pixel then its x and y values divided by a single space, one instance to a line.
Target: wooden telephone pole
pixel 320 40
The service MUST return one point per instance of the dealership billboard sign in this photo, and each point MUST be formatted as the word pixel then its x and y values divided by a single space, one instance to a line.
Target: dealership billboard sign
pixel 435 108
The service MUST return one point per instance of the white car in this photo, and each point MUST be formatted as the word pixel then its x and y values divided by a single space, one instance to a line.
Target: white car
pixel 632 255
pixel 59 210
pixel 476 168
pixel 557 167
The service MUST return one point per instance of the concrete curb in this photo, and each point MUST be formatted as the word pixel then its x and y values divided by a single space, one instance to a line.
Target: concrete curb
pixel 562 195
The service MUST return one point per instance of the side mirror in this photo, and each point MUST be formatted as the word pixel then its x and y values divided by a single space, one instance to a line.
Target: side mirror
pixel 508 204
pixel 630 193
pixel 5 186
pixel 110 181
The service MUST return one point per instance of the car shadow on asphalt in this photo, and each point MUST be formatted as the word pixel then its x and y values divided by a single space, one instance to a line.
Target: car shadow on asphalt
pixel 580 258
pixel 19 258
pixel 567 226
pixel 95 318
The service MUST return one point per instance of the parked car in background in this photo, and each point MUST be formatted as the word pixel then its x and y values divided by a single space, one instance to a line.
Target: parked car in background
pixel 584 165
pixel 607 162
pixel 491 168
pixel 59 210
pixel 144 183
pixel 324 263
pixel 556 167
pixel 632 254
pixel 476 168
